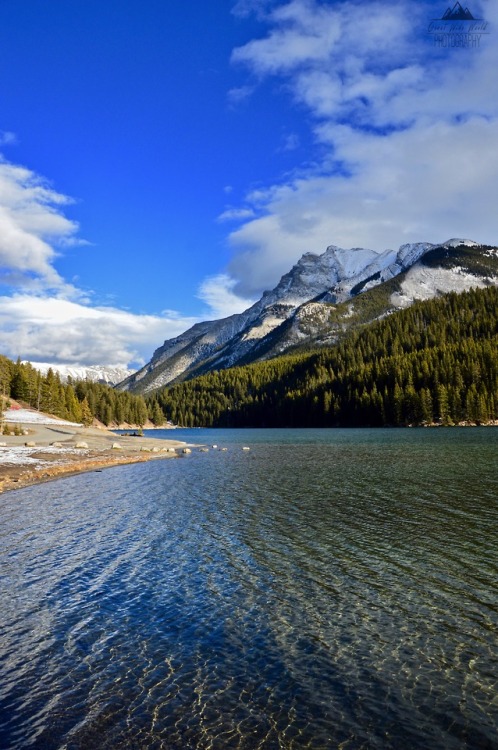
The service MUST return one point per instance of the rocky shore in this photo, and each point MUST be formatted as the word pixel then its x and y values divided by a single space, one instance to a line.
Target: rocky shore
pixel 44 451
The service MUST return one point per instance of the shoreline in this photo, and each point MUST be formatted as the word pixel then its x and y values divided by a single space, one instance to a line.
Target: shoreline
pixel 50 451
pixel 20 476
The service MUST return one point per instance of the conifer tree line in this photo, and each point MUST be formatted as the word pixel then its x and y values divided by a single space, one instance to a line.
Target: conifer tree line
pixel 77 401
pixel 434 362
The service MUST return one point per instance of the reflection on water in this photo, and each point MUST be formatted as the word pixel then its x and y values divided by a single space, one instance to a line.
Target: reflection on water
pixel 325 589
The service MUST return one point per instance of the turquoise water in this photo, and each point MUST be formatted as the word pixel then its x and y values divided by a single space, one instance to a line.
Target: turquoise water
pixel 325 589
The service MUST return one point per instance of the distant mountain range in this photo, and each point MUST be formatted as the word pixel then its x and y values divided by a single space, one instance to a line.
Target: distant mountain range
pixel 94 373
pixel 317 303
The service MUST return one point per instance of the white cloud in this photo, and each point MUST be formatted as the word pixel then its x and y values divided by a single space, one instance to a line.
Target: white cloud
pixel 7 138
pixel 31 224
pixel 56 330
pixel 302 34
pixel 236 214
pixel 290 142
pixel 244 8
pixel 306 34
pixel 218 293
pixel 406 135
pixel 239 94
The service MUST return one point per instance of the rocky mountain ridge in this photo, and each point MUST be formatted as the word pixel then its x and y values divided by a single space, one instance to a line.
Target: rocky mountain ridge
pixel 319 299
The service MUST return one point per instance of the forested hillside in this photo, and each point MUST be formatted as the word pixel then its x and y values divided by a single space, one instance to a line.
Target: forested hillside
pixel 79 401
pixel 435 362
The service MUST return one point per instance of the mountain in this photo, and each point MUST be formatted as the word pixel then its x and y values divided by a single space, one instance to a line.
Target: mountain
pixel 317 302
pixel 95 373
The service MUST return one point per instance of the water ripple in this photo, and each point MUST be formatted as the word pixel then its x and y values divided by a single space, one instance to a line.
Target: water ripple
pixel 331 589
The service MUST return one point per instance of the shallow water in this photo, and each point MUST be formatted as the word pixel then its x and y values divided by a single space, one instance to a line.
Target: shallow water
pixel 326 589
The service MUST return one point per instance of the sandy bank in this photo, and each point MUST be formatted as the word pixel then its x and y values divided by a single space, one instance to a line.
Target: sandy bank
pixel 51 450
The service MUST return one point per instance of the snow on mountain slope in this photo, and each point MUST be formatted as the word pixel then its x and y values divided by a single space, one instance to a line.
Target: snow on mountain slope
pixel 422 283
pixel 386 266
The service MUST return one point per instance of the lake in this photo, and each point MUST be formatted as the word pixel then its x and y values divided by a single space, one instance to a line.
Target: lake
pixel 324 589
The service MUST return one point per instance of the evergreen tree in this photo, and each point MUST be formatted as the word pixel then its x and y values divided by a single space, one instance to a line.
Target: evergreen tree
pixel 19 386
pixel 156 414
pixel 86 414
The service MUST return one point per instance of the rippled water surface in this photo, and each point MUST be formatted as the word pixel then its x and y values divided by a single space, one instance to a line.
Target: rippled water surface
pixel 326 589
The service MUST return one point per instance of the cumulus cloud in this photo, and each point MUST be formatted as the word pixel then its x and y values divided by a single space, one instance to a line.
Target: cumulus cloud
pixel 300 34
pixel 50 329
pixel 406 134
pixel 31 226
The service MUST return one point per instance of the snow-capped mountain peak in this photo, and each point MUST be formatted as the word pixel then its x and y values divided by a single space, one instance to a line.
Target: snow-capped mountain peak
pixel 351 262
pixel 455 242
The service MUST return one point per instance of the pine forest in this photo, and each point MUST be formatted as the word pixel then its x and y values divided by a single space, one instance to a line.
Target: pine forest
pixel 435 362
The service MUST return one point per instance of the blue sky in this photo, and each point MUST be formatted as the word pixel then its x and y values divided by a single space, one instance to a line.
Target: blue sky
pixel 165 162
